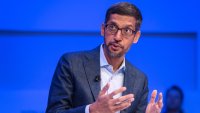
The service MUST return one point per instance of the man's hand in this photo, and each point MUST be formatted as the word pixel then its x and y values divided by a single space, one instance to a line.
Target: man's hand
pixel 105 103
pixel 155 107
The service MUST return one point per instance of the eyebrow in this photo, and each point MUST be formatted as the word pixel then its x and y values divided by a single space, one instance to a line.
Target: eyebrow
pixel 118 25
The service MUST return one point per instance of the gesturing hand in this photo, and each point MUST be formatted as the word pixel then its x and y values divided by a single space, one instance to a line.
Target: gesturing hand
pixel 105 103
pixel 155 107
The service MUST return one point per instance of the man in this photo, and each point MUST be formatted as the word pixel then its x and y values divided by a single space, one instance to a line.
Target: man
pixel 102 80
pixel 174 100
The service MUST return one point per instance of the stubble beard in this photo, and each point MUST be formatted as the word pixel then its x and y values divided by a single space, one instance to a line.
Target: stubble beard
pixel 112 54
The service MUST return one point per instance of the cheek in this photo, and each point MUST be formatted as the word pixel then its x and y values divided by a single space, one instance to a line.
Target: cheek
pixel 107 39
pixel 127 44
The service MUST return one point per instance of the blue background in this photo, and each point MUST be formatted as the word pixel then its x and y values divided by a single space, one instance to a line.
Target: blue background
pixel 35 33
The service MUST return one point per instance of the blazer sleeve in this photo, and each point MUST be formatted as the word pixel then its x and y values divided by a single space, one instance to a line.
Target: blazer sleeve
pixel 141 108
pixel 61 90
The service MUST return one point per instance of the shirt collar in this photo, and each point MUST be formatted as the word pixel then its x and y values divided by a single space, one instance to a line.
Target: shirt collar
pixel 104 62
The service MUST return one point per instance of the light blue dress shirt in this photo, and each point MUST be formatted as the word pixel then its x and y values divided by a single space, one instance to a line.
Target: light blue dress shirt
pixel 109 76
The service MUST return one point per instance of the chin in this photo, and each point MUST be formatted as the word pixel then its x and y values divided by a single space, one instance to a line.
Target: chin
pixel 115 54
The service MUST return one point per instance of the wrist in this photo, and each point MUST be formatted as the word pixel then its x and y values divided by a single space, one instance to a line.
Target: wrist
pixel 92 108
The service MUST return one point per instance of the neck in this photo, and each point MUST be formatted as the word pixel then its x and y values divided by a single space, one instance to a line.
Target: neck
pixel 114 61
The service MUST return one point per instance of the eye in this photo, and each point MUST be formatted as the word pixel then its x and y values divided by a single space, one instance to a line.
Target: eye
pixel 128 30
pixel 112 27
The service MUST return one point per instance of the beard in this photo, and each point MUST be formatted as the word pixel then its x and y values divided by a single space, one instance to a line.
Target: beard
pixel 114 53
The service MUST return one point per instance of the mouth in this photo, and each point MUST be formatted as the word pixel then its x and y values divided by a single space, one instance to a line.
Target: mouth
pixel 115 46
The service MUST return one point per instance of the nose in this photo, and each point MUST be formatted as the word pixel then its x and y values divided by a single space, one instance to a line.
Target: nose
pixel 118 35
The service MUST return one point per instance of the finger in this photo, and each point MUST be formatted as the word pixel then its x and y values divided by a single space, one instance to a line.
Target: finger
pixel 125 101
pixel 127 98
pixel 120 90
pixel 122 106
pixel 153 96
pixel 160 100
pixel 104 90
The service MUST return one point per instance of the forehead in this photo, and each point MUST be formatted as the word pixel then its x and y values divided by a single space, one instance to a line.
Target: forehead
pixel 122 20
pixel 173 93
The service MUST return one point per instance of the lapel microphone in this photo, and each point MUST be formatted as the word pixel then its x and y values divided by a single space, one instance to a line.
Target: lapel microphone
pixel 97 78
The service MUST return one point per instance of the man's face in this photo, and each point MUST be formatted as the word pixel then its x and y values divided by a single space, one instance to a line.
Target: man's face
pixel 118 43
pixel 173 100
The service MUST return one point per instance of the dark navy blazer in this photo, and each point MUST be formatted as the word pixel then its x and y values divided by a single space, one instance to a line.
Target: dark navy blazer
pixel 74 86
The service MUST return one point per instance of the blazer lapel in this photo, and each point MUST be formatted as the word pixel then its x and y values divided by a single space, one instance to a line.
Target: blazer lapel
pixel 92 69
pixel 129 81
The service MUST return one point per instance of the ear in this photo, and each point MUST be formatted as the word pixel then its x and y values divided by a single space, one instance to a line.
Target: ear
pixel 137 36
pixel 102 29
